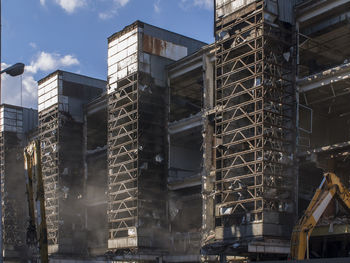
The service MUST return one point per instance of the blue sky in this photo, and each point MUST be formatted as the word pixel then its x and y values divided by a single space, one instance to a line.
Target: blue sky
pixel 72 35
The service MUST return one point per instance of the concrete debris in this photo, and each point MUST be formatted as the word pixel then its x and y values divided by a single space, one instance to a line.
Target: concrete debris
pixel 159 158
pixel 144 166
pixel 145 88
pixel 96 150
pixel 226 210
pixel 65 191
pixel 65 171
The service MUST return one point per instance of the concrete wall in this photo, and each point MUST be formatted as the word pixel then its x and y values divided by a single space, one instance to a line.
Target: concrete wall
pixel 96 203
pixel 184 162
pixel 327 131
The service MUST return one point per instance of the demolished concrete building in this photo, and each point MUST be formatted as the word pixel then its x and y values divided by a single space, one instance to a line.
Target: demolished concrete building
pixel 190 151
pixel 17 127
pixel 137 141
pixel 61 97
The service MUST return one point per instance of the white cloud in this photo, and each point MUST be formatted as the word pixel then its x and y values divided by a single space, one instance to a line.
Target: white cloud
pixel 116 5
pixel 113 6
pixel 43 62
pixel 206 4
pixel 156 6
pixel 71 5
pixel 106 15
pixel 33 45
pixel 69 60
pixel 51 61
pixel 121 2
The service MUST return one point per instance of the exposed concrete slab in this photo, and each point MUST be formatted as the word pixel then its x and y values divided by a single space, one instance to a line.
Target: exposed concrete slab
pixel 123 242
pixel 99 104
pixel 324 25
pixel 272 247
pixel 334 147
pixel 186 124
pixel 196 63
pixel 187 182
pixel 191 62
pixel 324 78
pixel 318 9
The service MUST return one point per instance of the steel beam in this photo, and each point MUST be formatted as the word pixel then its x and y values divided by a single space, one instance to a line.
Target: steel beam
pixel 325 6
pixel 49 135
pixel 327 77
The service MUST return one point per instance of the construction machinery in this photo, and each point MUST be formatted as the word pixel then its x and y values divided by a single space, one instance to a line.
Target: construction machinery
pixel 331 187
pixel 37 230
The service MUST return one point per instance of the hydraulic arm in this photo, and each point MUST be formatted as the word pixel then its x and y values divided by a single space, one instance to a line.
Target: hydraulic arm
pixel 330 187
pixel 37 230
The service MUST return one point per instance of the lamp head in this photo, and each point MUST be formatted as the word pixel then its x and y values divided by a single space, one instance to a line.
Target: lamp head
pixel 14 70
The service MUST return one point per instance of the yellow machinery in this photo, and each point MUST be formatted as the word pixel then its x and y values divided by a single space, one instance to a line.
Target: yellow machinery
pixel 330 187
pixel 37 230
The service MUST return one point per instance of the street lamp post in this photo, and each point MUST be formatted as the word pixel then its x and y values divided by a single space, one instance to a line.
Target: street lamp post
pixel 14 70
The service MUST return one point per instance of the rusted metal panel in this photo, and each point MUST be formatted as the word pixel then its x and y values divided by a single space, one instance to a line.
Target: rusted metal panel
pixel 163 48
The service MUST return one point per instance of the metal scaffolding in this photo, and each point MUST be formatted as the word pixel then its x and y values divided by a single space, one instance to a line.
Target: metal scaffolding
pixel 255 119
pixel 2 167
pixel 61 100
pixel 123 157
pixel 136 167
pixel 49 134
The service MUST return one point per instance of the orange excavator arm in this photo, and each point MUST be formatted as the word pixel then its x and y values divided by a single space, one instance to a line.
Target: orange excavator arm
pixel 37 230
pixel 330 187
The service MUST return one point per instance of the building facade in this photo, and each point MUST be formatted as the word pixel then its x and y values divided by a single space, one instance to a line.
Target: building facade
pixel 61 96
pixel 190 151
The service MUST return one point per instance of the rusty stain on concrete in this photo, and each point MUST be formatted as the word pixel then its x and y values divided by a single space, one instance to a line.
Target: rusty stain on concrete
pixel 154 45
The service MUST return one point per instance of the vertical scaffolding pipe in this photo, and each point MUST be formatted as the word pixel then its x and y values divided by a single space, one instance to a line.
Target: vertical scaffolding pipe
pixel 1 238
pixel 297 94
pixel 0 98
pixel 123 170
pixel 49 135
pixel 85 167
pixel 223 258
